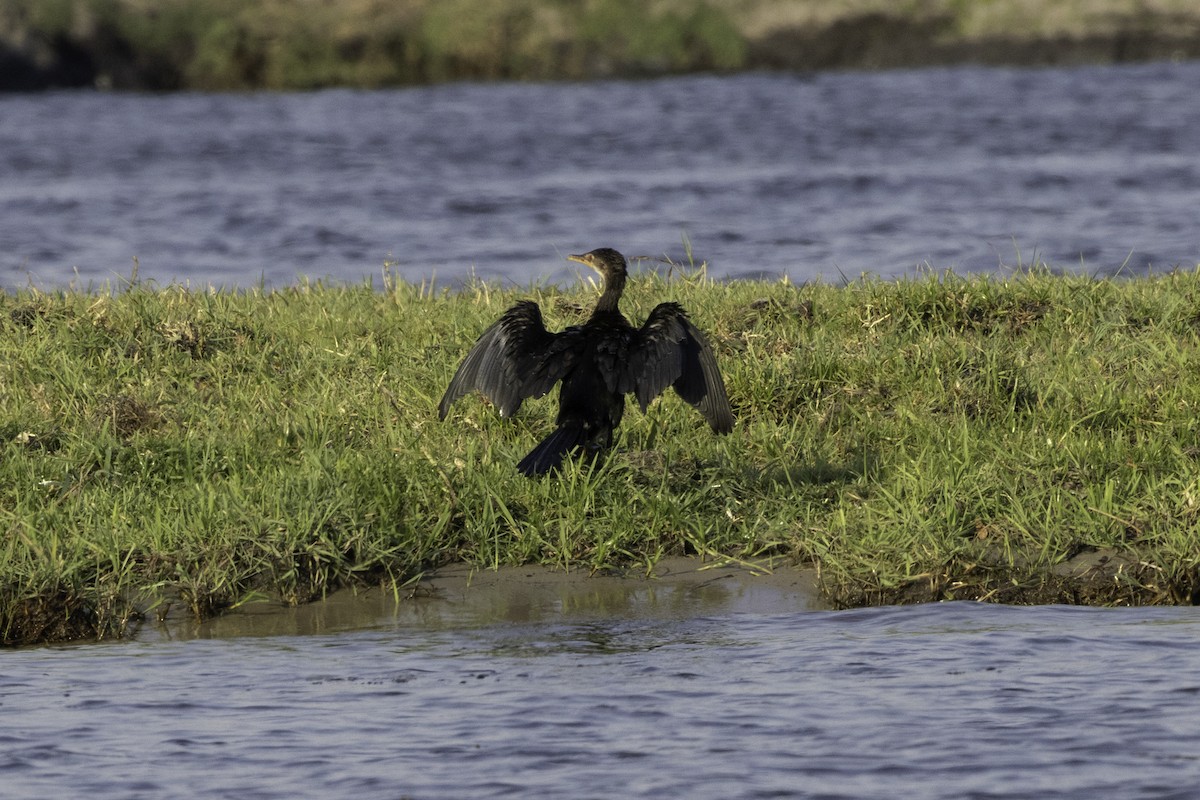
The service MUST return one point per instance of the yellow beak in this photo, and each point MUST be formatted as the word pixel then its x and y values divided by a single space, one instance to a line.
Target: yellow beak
pixel 585 260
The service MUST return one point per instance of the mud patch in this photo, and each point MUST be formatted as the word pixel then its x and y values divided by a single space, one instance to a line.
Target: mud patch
pixel 885 41
pixel 1092 577
pixel 461 596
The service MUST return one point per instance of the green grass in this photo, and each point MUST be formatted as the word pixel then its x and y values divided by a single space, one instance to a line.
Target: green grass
pixel 939 437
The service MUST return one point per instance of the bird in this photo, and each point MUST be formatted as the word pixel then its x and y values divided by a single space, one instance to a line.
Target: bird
pixel 598 363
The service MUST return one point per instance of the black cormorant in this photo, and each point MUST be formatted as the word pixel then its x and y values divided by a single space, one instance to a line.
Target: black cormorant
pixel 598 362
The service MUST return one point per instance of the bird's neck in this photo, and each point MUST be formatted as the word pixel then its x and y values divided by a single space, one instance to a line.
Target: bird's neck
pixel 611 296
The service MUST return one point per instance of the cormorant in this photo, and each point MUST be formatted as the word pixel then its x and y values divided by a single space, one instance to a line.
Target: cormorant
pixel 598 362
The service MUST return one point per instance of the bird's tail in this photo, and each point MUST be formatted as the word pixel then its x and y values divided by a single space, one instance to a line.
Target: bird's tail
pixel 549 454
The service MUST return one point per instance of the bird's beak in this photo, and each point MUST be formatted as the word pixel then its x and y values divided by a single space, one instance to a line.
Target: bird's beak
pixel 583 260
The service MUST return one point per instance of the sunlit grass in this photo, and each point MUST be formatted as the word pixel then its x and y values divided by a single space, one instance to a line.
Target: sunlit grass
pixel 933 437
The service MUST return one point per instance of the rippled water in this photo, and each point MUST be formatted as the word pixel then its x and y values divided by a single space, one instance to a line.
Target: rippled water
pixel 820 175
pixel 938 701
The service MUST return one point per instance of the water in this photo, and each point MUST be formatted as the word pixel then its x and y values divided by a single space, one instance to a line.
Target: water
pixel 938 701
pixel 816 176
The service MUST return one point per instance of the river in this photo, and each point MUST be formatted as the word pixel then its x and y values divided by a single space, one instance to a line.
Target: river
pixel 815 176
pixel 954 700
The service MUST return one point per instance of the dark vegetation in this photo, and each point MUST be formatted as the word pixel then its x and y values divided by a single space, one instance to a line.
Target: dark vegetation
pixel 306 44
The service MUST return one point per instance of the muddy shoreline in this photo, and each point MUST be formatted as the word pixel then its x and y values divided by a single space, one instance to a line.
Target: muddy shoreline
pixel 880 41
pixel 460 596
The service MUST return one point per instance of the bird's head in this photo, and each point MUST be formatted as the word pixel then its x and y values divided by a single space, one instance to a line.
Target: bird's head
pixel 608 262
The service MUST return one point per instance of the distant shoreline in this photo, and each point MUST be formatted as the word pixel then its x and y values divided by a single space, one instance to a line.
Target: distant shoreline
pixel 221 45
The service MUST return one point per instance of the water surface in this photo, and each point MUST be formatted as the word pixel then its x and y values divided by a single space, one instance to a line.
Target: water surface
pixel 825 176
pixel 953 700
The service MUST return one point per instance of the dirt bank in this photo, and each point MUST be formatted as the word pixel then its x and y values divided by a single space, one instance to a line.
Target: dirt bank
pixel 460 596
pixel 884 41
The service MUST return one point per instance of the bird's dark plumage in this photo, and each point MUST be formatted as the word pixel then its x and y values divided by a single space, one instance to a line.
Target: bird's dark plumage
pixel 598 363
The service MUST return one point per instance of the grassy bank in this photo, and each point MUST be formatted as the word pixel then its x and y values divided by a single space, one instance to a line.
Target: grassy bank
pixel 1024 439
pixel 300 44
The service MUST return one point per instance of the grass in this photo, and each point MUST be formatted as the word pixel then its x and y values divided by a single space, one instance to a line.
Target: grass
pixel 933 438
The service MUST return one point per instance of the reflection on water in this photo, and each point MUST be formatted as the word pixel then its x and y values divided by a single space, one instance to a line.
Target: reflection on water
pixel 938 701
pixel 459 596
pixel 826 175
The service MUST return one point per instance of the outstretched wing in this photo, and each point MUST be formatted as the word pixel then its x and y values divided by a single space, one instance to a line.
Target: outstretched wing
pixel 514 359
pixel 670 351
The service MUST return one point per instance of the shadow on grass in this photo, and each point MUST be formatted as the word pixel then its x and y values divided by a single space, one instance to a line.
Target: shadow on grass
pixel 863 464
